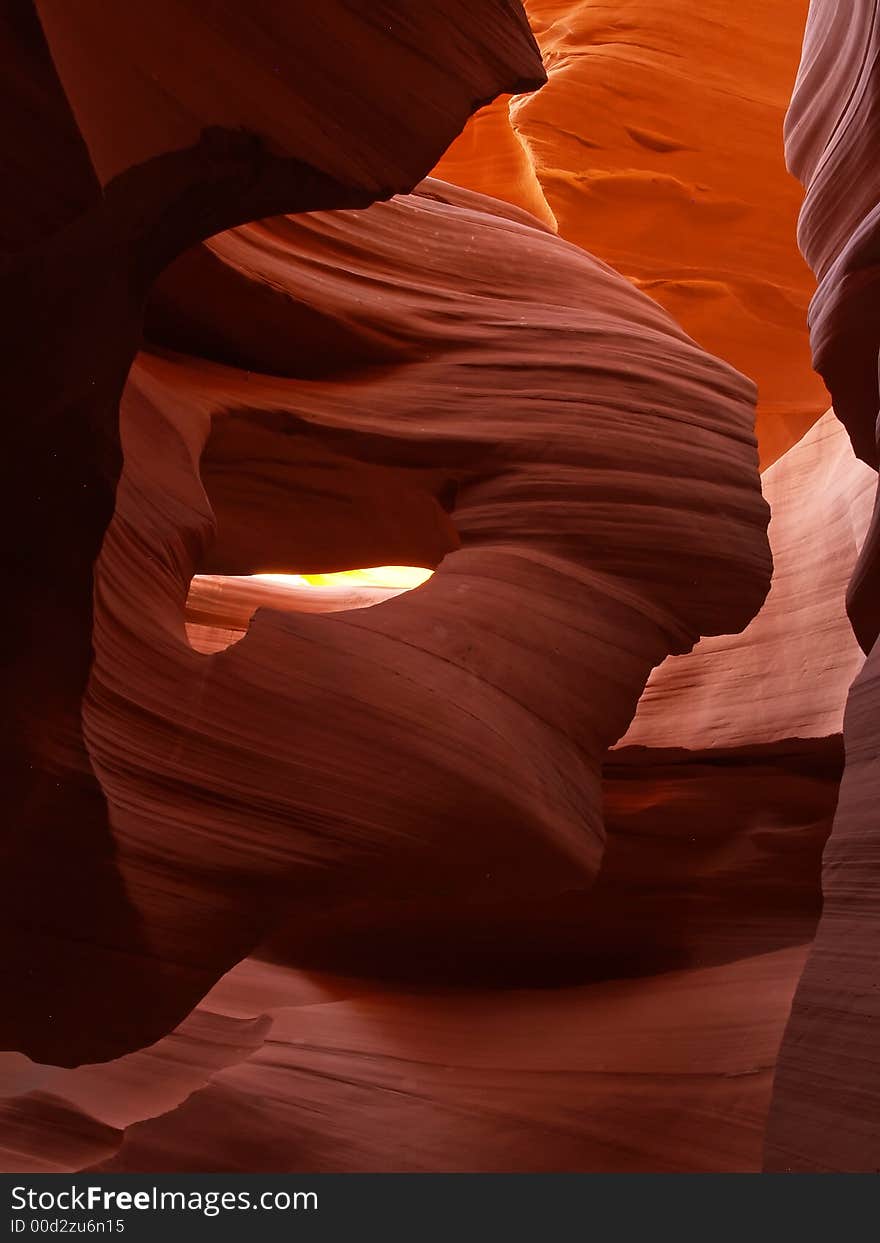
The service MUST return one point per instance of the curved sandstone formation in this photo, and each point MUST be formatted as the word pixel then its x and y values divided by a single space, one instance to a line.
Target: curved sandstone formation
pixel 830 132
pixel 449 740
pixel 720 796
pixel 620 1076
pixel 655 145
pixel 78 286
pixel 325 85
pixel 826 1105
pixel 717 800
pixel 787 675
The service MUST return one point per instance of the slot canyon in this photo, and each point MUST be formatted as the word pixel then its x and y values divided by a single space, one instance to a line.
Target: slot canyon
pixel 442 688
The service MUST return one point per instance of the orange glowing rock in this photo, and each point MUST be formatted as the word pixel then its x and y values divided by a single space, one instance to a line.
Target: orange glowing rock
pixel 656 145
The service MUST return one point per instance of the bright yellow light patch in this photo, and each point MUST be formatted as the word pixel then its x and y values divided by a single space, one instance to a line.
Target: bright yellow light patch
pixel 395 577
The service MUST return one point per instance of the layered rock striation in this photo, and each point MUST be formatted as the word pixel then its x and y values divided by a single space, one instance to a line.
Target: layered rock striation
pixel 826 1103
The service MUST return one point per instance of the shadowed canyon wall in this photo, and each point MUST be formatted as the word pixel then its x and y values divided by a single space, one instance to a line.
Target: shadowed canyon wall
pixel 826 1103
pixel 79 297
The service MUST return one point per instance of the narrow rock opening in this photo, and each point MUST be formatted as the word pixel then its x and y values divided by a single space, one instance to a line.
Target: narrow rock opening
pixel 219 607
